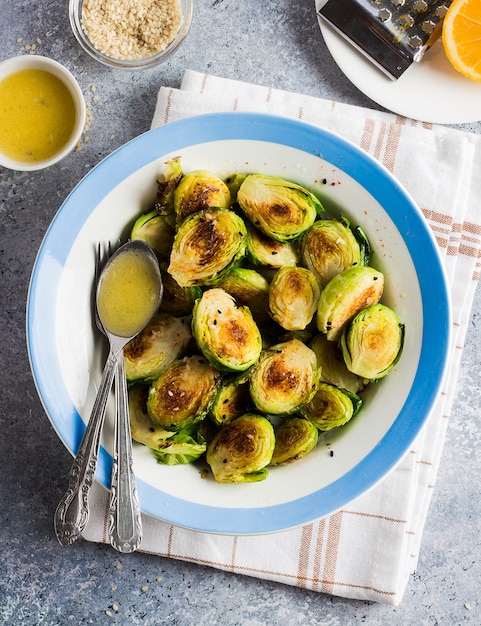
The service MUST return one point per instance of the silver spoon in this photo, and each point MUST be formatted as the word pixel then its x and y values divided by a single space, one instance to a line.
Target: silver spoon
pixel 123 316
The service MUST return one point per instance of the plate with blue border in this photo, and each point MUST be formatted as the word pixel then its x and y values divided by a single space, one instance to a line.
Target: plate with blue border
pixel 66 352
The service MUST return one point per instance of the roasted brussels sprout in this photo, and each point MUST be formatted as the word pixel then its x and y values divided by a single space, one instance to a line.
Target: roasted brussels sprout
pixel 242 450
pixel 345 295
pixel 183 447
pixel 281 209
pixel 232 401
pixel 200 190
pixel 293 296
pixel 285 379
pixel 227 334
pixel 207 245
pixel 142 428
pixel 156 231
pixel 183 393
pixel 176 300
pixel 332 367
pixel 248 288
pixel 295 437
pixel 162 341
pixel 331 407
pixel 166 185
pixel 329 248
pixel 234 181
pixel 265 251
pixel 373 342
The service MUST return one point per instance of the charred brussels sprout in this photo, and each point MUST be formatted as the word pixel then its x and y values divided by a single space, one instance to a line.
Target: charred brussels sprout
pixel 295 437
pixel 142 428
pixel 183 394
pixel 168 447
pixel 329 248
pixel 232 401
pixel 345 295
pixel 248 288
pixel 265 251
pixel 155 230
pixel 207 245
pixel 162 341
pixel 181 448
pixel 332 367
pixel 166 185
pixel 200 190
pixel 373 342
pixel 176 300
pixel 227 334
pixel 293 297
pixel 331 407
pixel 281 209
pixel 242 450
pixel 285 379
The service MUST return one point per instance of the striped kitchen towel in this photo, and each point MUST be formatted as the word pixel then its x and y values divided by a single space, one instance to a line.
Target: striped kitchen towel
pixel 368 549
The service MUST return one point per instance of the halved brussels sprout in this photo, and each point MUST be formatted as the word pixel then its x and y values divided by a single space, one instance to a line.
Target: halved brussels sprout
pixel 200 190
pixel 207 245
pixel 176 300
pixel 285 379
pixel 364 243
pixel 166 185
pixel 156 231
pixel 234 181
pixel 295 437
pixel 293 296
pixel 163 340
pixel 183 447
pixel 263 250
pixel 248 288
pixel 329 248
pixel 232 401
pixel 225 333
pixel 282 209
pixel 345 295
pixel 373 342
pixel 142 428
pixel 331 407
pixel 332 367
pixel 242 450
pixel 183 394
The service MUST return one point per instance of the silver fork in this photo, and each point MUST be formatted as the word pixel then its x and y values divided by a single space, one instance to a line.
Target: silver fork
pixel 125 522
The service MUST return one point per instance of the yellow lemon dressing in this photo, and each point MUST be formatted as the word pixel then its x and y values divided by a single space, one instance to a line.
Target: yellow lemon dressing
pixel 129 294
pixel 37 115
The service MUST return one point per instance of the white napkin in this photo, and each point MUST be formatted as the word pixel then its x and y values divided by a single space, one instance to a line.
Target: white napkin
pixel 367 550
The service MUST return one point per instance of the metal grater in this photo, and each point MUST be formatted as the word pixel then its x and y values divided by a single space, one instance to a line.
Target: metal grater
pixel 391 33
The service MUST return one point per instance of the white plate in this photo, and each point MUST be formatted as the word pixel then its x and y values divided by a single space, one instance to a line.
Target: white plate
pixel 430 91
pixel 67 354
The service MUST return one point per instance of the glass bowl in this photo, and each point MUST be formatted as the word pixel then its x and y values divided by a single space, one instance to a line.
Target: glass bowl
pixel 75 14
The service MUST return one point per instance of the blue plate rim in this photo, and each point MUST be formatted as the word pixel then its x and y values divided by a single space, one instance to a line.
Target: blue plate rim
pixel 380 183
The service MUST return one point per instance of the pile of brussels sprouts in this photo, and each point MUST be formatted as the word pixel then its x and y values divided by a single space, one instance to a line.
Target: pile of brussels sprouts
pixel 269 330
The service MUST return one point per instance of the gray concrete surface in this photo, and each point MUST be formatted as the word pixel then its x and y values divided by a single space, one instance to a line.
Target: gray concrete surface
pixel 274 42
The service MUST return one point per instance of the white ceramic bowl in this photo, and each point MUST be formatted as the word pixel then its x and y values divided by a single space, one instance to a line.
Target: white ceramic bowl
pixel 67 355
pixel 75 14
pixel 28 62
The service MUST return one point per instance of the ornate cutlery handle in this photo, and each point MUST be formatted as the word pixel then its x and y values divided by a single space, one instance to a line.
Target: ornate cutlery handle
pixel 125 523
pixel 72 511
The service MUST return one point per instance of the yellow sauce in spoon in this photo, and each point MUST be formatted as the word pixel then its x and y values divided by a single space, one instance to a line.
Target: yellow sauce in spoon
pixel 129 293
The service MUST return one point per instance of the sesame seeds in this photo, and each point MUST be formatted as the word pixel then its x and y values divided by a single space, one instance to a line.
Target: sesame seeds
pixel 131 29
